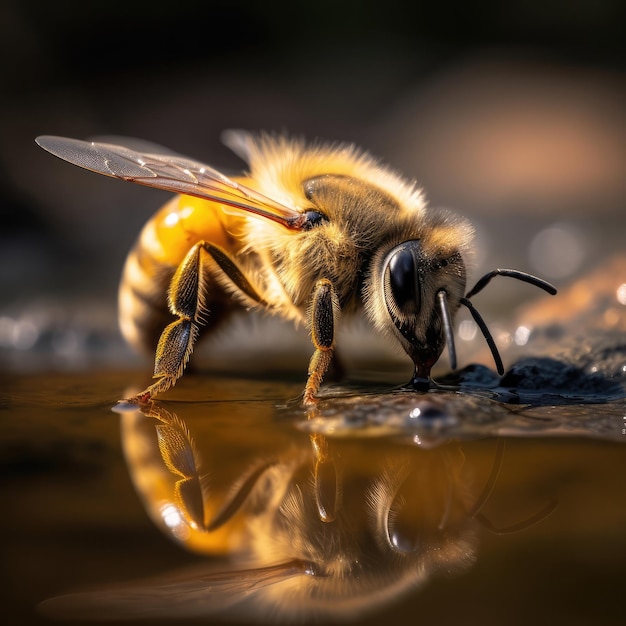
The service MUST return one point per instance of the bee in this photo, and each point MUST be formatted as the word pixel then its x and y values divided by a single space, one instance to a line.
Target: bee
pixel 310 233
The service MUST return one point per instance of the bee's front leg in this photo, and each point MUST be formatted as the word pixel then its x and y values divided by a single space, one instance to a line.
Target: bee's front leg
pixel 323 315
pixel 186 297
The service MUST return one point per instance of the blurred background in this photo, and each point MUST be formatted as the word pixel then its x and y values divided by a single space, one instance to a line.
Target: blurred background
pixel 511 113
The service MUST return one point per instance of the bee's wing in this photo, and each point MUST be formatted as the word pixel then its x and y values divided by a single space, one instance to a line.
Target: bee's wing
pixel 134 143
pixel 166 170
pixel 194 594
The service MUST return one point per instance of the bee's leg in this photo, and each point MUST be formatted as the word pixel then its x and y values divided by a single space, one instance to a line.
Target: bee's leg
pixel 186 298
pixel 326 484
pixel 322 316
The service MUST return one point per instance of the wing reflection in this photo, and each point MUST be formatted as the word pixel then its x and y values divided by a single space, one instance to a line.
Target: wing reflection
pixel 295 525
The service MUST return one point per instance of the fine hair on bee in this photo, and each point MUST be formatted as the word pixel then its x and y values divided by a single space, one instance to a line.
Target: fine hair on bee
pixel 311 233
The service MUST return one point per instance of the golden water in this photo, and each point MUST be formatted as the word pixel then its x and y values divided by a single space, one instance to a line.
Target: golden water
pixel 229 503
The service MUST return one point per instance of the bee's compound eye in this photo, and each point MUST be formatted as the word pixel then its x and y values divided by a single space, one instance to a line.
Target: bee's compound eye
pixel 313 218
pixel 402 277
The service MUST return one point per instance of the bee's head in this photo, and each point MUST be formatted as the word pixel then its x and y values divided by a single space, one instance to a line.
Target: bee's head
pixel 415 289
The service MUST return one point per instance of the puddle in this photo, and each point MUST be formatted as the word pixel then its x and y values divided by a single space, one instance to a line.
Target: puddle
pixel 485 499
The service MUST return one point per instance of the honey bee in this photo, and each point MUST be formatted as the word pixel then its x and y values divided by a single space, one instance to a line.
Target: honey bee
pixel 310 233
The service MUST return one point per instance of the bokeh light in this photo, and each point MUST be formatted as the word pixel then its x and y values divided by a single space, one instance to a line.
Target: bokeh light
pixel 557 251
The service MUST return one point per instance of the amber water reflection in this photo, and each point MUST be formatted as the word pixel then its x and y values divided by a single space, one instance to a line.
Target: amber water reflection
pixel 73 522
pixel 307 532
pixel 313 528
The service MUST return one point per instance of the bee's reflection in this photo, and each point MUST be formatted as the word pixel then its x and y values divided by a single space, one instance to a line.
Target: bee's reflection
pixel 296 526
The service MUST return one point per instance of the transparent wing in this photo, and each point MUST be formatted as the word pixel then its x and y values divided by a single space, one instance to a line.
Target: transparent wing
pixel 170 171
pixel 197 594
pixel 134 143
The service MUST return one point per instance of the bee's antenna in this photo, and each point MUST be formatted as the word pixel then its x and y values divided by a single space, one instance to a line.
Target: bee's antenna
pixel 447 327
pixel 486 334
pixel 481 284
pixel 527 278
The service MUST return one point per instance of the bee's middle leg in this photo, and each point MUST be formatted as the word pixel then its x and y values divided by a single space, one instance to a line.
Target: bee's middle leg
pixel 322 316
pixel 186 297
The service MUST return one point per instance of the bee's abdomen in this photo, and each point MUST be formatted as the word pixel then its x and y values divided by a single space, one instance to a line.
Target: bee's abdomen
pixel 162 245
pixel 142 304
